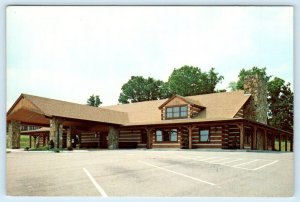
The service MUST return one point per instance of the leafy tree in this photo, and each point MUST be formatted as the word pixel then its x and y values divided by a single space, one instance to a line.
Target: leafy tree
pixel 94 101
pixel 254 71
pixel 189 80
pixel 139 89
pixel 280 98
pixel 281 104
pixel 232 86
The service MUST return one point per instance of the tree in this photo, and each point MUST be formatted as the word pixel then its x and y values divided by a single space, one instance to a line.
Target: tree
pixel 280 98
pixel 254 71
pixel 94 101
pixel 139 89
pixel 281 104
pixel 232 86
pixel 189 80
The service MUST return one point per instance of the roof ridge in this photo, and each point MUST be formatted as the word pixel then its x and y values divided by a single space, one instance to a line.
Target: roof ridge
pixel 91 107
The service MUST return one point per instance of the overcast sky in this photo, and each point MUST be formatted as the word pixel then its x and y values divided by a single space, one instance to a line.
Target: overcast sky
pixel 69 53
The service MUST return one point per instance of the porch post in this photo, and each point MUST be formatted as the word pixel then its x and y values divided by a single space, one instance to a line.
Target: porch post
pixel 241 126
pixel 279 142
pixel 69 141
pixel 190 128
pixel 291 144
pixel 286 139
pixel 56 132
pixel 273 141
pixel 29 141
pixel 265 140
pixel 149 138
pixel 113 138
pixel 13 135
pixel 254 144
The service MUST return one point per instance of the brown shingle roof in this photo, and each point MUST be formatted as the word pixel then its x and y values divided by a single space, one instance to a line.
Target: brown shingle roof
pixel 51 107
pixel 217 106
pixel 185 99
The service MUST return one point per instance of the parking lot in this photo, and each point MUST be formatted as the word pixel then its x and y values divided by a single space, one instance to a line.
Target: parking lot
pixel 109 173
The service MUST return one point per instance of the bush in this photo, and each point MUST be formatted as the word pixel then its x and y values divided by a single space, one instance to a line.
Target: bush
pixel 70 148
pixel 56 150
pixel 45 148
pixel 26 149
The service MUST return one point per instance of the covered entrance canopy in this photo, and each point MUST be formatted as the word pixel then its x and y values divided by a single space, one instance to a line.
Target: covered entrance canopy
pixel 59 116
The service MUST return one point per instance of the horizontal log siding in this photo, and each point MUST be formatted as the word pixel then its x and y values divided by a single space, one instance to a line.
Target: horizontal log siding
pixel 130 136
pixel 225 134
pixel 240 113
pixel 233 137
pixel 89 140
pixel 194 111
pixel 215 138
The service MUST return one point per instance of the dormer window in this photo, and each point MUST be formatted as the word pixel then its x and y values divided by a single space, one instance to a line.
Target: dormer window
pixel 176 112
pixel 178 107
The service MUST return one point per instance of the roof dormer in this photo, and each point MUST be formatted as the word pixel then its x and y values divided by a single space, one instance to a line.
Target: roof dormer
pixel 178 107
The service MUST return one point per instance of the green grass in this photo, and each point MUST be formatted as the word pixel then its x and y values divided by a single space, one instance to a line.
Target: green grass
pixel 282 146
pixel 24 141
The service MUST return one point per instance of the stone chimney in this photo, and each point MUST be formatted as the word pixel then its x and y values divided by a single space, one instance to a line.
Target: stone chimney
pixel 257 108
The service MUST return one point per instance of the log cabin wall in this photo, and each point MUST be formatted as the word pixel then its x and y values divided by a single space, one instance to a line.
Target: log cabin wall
pixel 233 137
pixel 89 139
pixel 215 138
pixel 130 139
pixel 193 111
pixel 225 137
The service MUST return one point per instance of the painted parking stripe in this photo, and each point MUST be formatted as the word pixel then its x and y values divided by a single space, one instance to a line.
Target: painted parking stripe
pixel 230 161
pixel 245 163
pixel 98 187
pixel 265 165
pixel 218 160
pixel 177 173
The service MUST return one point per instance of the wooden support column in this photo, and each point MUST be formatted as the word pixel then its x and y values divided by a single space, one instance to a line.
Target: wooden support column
pixel 291 144
pixel 30 141
pixel 44 139
pixel 190 130
pixel 265 139
pixel 286 139
pixel 242 134
pixel 254 138
pixel 69 139
pixel 279 142
pixel 273 141
pixel 149 137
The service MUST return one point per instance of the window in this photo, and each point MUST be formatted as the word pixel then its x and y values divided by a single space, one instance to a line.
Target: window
pixel 166 135
pixel 159 136
pixel 173 135
pixel 176 112
pixel 204 135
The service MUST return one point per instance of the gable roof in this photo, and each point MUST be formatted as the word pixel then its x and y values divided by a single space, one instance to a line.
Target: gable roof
pixel 217 106
pixel 185 99
pixel 51 107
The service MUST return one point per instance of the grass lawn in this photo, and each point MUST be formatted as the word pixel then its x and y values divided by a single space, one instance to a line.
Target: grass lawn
pixel 24 141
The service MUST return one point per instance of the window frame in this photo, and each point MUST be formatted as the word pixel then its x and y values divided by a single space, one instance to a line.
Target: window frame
pixel 208 138
pixel 167 132
pixel 172 112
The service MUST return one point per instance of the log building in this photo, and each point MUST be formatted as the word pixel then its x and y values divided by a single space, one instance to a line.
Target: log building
pixel 228 120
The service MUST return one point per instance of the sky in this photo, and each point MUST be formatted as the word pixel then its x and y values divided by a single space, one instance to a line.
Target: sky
pixel 70 53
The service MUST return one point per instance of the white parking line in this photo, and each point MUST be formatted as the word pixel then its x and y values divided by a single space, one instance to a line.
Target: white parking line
pixel 218 160
pixel 230 161
pixel 98 187
pixel 244 163
pixel 265 165
pixel 177 173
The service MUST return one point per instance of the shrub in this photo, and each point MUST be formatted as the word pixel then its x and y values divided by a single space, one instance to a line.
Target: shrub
pixel 70 148
pixel 26 149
